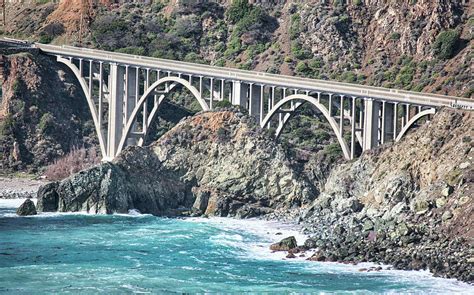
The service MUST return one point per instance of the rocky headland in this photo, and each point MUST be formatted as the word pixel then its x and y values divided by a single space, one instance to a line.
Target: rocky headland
pixel 407 204
pixel 215 163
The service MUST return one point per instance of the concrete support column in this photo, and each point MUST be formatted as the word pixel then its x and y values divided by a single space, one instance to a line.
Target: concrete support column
pixel 145 106
pixel 239 93
pixel 116 97
pixel 389 120
pixel 211 93
pixel 341 118
pixel 353 127
pixel 255 100
pixel 371 123
pixel 330 105
pixel 131 99
pixel 262 95
pixel 382 121
pixel 395 120
pixel 222 90
pixel 101 93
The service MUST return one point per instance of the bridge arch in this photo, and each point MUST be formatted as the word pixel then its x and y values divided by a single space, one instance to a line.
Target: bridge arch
pixel 90 102
pixel 318 105
pixel 413 120
pixel 143 99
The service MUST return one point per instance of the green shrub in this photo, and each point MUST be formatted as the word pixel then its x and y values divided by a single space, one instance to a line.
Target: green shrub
pixel 333 150
pixel 223 134
pixel 446 44
pixel 16 86
pixel 46 123
pixel 295 26
pixel 405 76
pixel 7 126
pixel 349 77
pixel 223 104
pixel 302 67
pixel 321 136
pixel 238 10
pixel 316 63
pixel 45 39
pixel 395 36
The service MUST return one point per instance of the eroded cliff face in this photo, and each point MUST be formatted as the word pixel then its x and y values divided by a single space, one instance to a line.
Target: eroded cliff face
pixel 43 113
pixel 414 198
pixel 215 163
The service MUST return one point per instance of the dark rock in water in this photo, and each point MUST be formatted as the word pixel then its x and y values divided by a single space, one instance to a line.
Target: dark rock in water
pixel 284 245
pixel 27 208
pixel 48 198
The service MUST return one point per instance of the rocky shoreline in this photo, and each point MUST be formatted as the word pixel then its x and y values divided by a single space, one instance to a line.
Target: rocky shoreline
pixel 408 204
pixel 19 188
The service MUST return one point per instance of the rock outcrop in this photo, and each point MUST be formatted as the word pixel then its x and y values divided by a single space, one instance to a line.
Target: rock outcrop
pixel 43 113
pixel 216 163
pixel 27 208
pixel 408 204
pixel 284 245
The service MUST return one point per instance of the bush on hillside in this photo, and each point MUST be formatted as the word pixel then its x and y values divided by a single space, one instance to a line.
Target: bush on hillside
pixel 75 161
pixel 446 44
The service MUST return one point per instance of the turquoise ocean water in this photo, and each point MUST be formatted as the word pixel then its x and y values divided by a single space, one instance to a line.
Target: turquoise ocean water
pixel 80 253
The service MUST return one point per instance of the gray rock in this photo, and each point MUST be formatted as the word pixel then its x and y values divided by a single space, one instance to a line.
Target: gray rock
pixel 310 244
pixel 440 202
pixel 447 215
pixel 27 208
pixel 447 190
pixel 284 245
pixel 48 199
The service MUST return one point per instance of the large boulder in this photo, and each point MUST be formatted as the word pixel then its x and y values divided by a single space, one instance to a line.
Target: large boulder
pixel 284 245
pixel 27 208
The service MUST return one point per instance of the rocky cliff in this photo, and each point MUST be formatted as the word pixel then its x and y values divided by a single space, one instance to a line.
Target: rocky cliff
pixel 409 204
pixel 43 113
pixel 215 163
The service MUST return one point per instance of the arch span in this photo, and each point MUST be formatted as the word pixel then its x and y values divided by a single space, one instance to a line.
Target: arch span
pixel 413 120
pixel 320 107
pixel 146 95
pixel 90 102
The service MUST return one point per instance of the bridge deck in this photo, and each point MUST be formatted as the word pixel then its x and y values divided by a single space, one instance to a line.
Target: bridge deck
pixel 260 77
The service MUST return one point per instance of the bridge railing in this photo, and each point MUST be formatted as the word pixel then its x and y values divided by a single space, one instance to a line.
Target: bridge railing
pixel 268 79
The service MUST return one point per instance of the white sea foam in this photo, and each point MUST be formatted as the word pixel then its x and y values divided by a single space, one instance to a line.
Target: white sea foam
pixel 13 203
pixel 271 231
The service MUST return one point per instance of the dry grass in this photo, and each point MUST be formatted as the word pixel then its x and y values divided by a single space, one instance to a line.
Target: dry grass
pixel 78 159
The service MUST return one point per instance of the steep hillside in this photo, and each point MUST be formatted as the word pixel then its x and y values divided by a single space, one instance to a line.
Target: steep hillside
pixel 409 204
pixel 417 45
pixel 42 113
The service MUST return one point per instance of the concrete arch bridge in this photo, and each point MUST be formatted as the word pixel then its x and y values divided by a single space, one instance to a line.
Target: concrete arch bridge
pixel 124 93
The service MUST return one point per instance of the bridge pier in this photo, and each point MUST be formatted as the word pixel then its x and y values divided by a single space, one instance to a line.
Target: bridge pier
pixel 371 123
pixel 116 117
pixel 255 101
pixel 239 93
pixel 131 89
pixel 389 121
